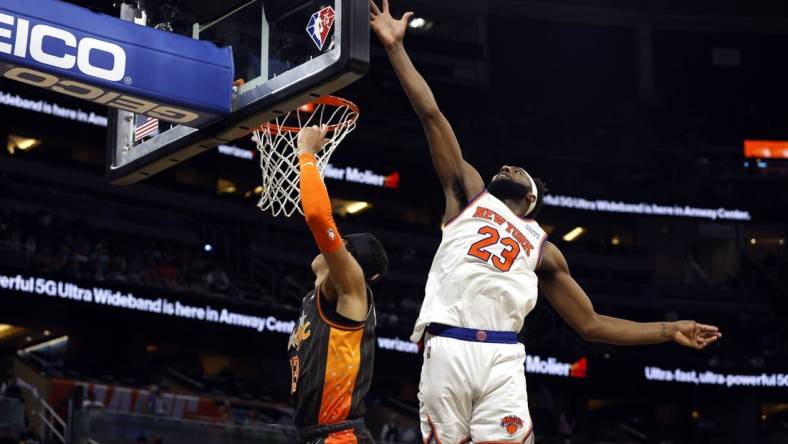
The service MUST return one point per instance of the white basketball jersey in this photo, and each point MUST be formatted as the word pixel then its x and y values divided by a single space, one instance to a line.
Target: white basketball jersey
pixel 483 274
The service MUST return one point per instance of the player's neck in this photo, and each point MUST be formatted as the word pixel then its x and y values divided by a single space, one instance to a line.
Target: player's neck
pixel 518 207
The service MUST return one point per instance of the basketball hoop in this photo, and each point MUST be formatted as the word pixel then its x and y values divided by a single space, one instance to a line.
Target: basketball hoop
pixel 276 141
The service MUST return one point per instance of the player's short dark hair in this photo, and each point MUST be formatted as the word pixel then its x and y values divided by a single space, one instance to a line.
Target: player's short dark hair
pixel 541 190
pixel 370 255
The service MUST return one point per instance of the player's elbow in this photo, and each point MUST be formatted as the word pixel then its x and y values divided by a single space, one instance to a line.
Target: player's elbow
pixel 310 215
pixel 590 330
pixel 315 217
pixel 428 112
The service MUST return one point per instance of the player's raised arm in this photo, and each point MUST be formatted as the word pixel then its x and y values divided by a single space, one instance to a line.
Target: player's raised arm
pixel 345 274
pixel 572 303
pixel 459 179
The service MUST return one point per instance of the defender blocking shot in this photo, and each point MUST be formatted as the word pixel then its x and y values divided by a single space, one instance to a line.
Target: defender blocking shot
pixel 484 280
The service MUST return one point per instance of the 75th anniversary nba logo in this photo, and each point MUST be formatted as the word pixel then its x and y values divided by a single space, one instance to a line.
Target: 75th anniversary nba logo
pixel 319 26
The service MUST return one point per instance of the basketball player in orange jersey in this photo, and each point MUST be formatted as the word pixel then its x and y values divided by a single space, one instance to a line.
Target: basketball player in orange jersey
pixel 484 280
pixel 332 345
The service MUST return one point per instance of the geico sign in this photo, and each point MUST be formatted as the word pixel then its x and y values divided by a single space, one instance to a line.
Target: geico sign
pixel 99 95
pixel 32 40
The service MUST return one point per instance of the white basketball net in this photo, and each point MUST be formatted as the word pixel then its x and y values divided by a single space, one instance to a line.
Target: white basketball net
pixel 276 142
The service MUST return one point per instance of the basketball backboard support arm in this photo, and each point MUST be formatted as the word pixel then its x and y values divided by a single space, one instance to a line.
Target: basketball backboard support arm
pixel 124 120
pixel 258 101
pixel 265 30
pixel 197 28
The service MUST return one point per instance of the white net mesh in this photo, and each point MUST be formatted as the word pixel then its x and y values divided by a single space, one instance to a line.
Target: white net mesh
pixel 276 142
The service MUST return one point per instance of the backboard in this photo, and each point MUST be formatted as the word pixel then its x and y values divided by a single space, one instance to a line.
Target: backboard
pixel 285 54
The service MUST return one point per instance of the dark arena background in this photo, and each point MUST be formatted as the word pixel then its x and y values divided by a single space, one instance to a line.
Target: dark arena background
pixel 160 311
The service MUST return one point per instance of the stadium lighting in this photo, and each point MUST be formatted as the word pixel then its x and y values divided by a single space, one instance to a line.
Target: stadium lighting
pixel 7 331
pixel 357 207
pixel 615 240
pixel 574 234
pixel 208 248
pixel 344 207
pixel 225 186
pixel 49 343
pixel 753 241
pixel 21 143
pixel 420 23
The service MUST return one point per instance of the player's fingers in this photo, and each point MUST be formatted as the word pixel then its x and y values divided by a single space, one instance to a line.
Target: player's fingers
pixel 406 17
pixel 715 336
pixel 373 7
pixel 706 327
pixel 386 6
pixel 323 130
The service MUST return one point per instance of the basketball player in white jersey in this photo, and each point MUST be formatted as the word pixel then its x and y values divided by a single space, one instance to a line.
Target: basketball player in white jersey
pixel 483 282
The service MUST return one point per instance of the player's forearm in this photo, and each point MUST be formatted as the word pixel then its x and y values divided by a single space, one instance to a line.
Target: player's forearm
pixel 317 205
pixel 623 332
pixel 419 93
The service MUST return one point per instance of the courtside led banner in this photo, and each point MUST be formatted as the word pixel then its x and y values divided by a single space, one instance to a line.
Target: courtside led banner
pixel 553 367
pixel 648 209
pixel 215 314
pixel 766 149
pixel 345 174
pixel 71 50
pixel 707 377
pixel 52 109
pixel 365 177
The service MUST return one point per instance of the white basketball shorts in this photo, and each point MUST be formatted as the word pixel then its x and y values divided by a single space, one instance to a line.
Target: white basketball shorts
pixel 473 392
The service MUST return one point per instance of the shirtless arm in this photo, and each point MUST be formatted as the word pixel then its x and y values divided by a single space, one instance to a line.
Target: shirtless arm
pixel 572 303
pixel 460 180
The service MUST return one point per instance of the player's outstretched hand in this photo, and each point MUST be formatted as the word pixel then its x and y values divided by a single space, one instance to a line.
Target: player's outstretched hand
pixel 312 139
pixel 390 31
pixel 694 335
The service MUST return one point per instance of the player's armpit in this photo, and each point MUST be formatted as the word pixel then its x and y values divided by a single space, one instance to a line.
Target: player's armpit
pixel 564 293
pixel 461 191
pixel 347 279
pixel 460 180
